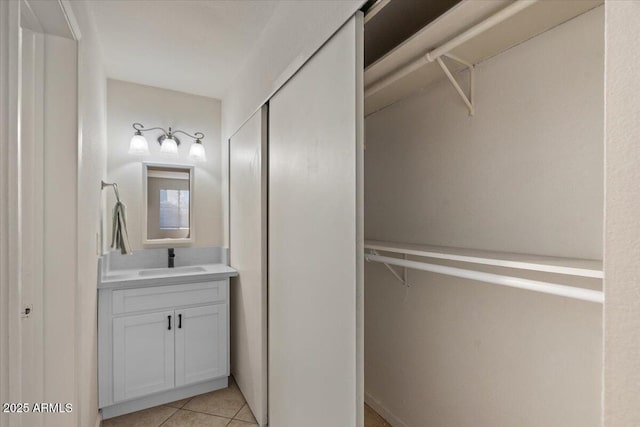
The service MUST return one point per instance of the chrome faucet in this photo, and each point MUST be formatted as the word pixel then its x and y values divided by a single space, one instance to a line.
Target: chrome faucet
pixel 172 256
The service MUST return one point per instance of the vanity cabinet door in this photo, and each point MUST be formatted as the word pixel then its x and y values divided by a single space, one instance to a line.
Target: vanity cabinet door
pixel 143 354
pixel 201 344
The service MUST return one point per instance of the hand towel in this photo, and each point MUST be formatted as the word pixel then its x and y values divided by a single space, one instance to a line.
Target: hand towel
pixel 120 236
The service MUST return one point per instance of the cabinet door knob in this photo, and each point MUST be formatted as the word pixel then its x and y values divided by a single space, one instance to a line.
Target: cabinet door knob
pixel 169 318
pixel 179 321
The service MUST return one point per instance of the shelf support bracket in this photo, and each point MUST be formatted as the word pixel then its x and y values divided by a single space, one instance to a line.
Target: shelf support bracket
pixel 400 278
pixel 468 100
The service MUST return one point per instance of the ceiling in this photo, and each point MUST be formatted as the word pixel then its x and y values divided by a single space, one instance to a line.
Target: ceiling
pixel 47 17
pixel 185 45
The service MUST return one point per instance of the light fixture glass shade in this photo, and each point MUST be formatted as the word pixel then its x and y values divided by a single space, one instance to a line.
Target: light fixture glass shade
pixel 169 146
pixel 138 145
pixel 197 153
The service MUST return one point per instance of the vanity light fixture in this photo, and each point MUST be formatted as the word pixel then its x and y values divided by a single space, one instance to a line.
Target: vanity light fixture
pixel 196 152
pixel 138 144
pixel 169 145
pixel 168 142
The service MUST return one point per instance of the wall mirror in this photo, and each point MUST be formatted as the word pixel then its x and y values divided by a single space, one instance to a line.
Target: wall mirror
pixel 168 202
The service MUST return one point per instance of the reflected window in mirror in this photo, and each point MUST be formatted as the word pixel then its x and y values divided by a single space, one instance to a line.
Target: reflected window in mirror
pixel 174 209
pixel 169 196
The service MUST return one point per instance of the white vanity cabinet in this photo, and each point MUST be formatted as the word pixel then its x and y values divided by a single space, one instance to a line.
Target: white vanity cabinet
pixel 157 344
pixel 201 343
pixel 143 355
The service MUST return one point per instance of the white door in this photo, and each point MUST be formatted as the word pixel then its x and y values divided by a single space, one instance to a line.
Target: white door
pixel 32 292
pixel 143 354
pixel 315 239
pixel 38 61
pixel 201 344
pixel 248 254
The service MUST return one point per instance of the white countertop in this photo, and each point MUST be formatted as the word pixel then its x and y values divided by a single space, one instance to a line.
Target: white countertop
pixel 143 277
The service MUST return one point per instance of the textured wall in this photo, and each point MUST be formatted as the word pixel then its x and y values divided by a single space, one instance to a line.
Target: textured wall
pixel 525 174
pixel 60 226
pixel 295 32
pixel 622 250
pixel 128 103
pixel 92 167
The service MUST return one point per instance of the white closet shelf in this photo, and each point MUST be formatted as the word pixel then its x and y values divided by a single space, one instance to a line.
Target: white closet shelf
pixel 558 265
pixel 382 88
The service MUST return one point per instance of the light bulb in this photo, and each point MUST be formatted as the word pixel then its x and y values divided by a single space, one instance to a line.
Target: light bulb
pixel 169 146
pixel 197 153
pixel 138 145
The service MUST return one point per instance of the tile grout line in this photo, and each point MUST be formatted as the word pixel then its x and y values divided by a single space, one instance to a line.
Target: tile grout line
pixel 245 421
pixel 206 413
pixel 243 405
pixel 183 408
pixel 243 398
pixel 169 417
pixel 197 412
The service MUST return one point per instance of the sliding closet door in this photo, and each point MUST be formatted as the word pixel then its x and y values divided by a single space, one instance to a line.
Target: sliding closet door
pixel 248 240
pixel 315 237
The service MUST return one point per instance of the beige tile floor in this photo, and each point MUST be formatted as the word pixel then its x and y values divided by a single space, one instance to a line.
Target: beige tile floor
pixel 372 419
pixel 220 408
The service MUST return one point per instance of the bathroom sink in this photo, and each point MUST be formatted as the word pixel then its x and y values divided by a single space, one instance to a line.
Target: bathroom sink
pixel 171 271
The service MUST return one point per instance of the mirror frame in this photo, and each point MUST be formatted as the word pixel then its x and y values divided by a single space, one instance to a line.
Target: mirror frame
pixel 168 243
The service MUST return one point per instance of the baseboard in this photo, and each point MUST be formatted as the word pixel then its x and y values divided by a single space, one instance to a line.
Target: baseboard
pixel 377 406
pixel 98 420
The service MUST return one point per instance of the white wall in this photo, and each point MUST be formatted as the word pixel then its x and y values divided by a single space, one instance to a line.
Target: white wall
pixel 128 103
pixel 92 168
pixel 622 270
pixel 60 226
pixel 295 31
pixel 32 171
pixel 9 208
pixel 525 174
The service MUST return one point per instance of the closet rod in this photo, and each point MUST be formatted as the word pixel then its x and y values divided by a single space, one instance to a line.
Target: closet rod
pixel 436 53
pixel 497 279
